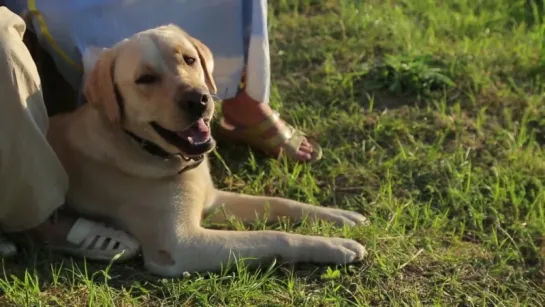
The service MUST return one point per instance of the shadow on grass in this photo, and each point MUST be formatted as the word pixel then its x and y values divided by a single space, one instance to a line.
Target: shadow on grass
pixel 56 279
pixel 50 268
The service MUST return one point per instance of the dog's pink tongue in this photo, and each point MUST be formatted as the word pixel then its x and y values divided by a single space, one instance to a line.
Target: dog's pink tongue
pixel 201 126
pixel 196 134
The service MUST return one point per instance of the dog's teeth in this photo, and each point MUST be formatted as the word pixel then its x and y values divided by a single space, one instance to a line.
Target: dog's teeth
pixel 200 142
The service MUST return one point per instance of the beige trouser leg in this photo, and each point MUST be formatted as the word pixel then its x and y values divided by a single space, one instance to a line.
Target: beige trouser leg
pixel 32 181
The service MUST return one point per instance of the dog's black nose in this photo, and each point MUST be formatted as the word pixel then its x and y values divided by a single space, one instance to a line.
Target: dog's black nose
pixel 195 103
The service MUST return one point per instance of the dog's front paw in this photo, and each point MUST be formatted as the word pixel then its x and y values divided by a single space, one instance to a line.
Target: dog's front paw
pixel 342 217
pixel 339 251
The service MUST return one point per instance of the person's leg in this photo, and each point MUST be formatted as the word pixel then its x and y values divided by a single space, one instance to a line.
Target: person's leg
pixel 33 182
pixel 250 106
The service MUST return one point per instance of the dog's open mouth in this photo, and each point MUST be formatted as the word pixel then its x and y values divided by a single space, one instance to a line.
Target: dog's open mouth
pixel 193 141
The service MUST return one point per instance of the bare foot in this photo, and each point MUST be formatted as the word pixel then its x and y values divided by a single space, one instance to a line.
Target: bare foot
pixel 242 111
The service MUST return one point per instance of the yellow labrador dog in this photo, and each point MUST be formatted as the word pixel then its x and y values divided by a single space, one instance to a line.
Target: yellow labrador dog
pixel 136 154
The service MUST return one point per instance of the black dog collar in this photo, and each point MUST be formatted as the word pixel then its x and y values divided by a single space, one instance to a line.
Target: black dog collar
pixel 157 151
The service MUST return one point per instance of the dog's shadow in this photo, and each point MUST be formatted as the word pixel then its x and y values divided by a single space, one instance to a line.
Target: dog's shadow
pixel 50 269
pixel 50 272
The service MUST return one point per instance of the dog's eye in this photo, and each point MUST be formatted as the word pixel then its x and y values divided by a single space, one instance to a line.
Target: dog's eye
pixel 189 60
pixel 147 79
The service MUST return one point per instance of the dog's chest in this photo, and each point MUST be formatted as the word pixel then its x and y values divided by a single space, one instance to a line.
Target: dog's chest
pixel 102 190
pixel 109 191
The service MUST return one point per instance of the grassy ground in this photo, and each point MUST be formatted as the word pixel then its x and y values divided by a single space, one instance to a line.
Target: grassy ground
pixel 432 118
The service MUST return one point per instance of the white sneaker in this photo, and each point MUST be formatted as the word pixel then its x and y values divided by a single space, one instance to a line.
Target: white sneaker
pixel 97 241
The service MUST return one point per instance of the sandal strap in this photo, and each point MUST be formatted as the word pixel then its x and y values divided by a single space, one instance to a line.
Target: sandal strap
pixel 264 126
pixel 291 145
pixel 282 136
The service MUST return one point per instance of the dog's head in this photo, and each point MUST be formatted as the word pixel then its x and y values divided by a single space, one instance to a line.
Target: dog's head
pixel 157 84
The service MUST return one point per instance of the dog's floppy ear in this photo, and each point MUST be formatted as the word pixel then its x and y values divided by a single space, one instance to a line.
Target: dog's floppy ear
pixel 98 85
pixel 207 62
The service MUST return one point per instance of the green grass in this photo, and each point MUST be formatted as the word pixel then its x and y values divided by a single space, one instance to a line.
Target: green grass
pixel 432 118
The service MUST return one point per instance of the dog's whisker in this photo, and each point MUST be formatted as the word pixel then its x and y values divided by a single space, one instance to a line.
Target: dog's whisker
pixel 216 98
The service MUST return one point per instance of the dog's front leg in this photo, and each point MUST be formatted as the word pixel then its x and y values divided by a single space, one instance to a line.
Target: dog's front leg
pixel 210 250
pixel 251 208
